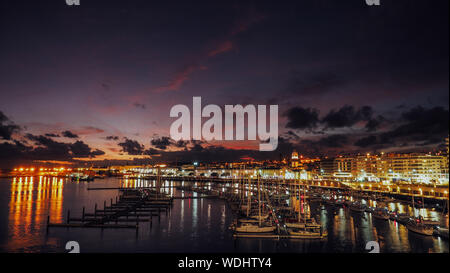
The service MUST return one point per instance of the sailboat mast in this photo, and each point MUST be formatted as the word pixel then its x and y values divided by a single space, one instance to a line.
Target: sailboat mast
pixel 241 183
pixel 303 191
pixel 299 201
pixel 249 196
pixel 259 200
pixel 423 204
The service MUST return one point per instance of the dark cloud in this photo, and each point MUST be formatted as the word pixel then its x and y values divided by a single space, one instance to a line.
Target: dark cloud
pixel 49 149
pixel 162 142
pixel 151 151
pixel 198 151
pixel 139 105
pixel 7 128
pixel 212 153
pixel 69 134
pixel 197 148
pixel 323 146
pixel 3 118
pixel 347 116
pixel 193 142
pixel 11 151
pixel 419 124
pixel 51 135
pixel 80 149
pixel 302 118
pixel 181 143
pixel 432 140
pixel 132 147
pixel 417 127
pixel 44 148
pixel 290 135
pixel 96 152
pixel 366 141
pixel 374 123
pixel 112 138
pixel 89 130
pixel 333 141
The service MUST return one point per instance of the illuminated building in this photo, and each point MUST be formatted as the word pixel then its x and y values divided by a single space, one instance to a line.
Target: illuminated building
pixel 294 159
pixel 327 168
pixel 446 161
pixel 414 168
pixel 343 168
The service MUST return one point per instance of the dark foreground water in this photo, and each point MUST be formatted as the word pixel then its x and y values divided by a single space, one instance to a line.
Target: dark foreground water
pixel 194 225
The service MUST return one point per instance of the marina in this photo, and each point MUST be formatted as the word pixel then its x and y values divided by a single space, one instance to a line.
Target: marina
pixel 224 135
pixel 203 216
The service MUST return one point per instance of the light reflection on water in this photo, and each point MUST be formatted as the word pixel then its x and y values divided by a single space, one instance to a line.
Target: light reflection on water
pixel 193 225
pixel 30 202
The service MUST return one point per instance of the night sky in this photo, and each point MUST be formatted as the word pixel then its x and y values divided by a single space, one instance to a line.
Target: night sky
pixel 97 81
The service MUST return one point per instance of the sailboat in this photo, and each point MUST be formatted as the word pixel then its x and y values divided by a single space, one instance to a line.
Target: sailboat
pixel 428 221
pixel 387 199
pixel 417 225
pixel 381 213
pixel 253 226
pixel 357 207
pixel 304 229
pixel 299 221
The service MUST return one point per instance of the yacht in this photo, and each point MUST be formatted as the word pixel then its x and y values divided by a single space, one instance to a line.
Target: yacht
pixel 381 214
pixel 416 225
pixel 254 228
pixel 357 207
pixel 307 233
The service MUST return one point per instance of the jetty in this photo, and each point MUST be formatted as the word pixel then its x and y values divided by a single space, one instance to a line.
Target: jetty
pixel 132 207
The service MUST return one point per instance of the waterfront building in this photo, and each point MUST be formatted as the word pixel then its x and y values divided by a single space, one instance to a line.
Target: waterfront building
pixel 446 161
pixel 413 168
pixel 417 168
pixel 327 168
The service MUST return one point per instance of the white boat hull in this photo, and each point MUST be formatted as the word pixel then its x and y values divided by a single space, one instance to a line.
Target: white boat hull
pixel 254 229
pixel 306 234
pixel 301 225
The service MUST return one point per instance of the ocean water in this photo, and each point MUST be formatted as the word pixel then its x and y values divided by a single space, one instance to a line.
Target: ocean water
pixel 194 225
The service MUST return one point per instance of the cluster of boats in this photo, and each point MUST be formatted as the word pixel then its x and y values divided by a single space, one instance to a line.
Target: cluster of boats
pixel 416 224
pixel 284 213
pixel 260 214
pixel 81 177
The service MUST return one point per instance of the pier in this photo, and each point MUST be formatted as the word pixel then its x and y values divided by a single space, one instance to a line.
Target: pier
pixel 133 206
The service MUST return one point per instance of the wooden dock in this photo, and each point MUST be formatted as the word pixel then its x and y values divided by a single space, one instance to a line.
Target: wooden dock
pixel 133 206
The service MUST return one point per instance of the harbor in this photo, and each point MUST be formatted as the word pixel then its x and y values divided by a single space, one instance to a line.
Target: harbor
pixel 131 215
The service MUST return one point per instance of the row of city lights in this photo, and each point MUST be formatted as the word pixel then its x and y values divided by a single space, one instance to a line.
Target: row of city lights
pixel 41 169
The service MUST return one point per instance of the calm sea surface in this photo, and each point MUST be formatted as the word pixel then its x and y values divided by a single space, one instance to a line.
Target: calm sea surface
pixel 194 225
